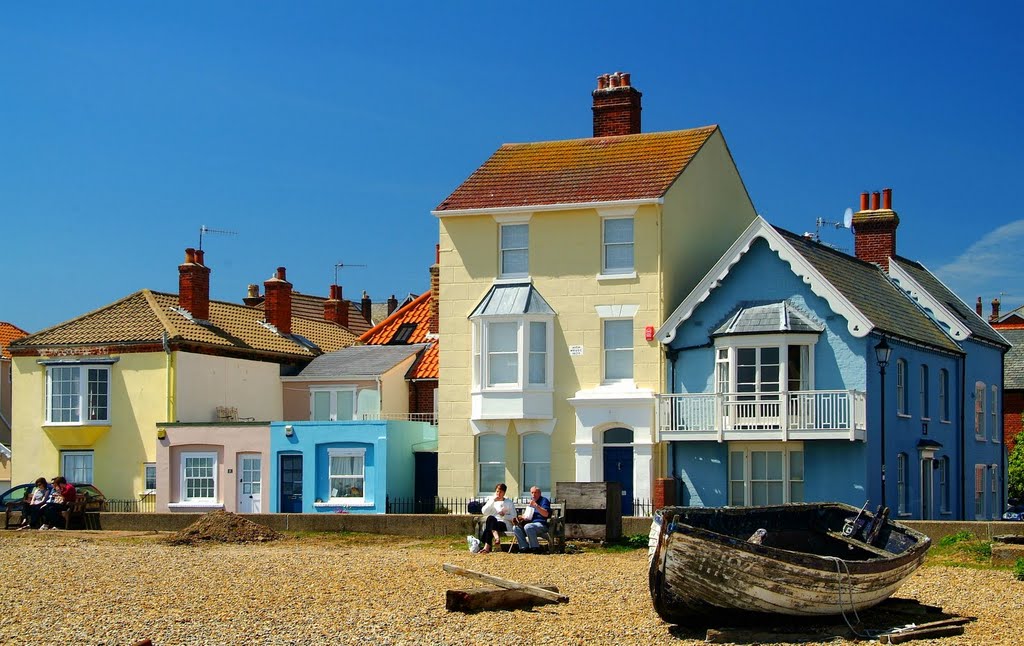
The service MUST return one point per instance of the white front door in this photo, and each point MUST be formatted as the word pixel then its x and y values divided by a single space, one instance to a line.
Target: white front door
pixel 249 484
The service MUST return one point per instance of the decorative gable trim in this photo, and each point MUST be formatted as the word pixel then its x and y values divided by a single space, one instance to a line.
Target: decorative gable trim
pixel 856 322
pixel 928 302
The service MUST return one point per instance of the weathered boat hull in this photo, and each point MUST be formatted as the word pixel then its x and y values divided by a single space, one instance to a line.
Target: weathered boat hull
pixel 703 569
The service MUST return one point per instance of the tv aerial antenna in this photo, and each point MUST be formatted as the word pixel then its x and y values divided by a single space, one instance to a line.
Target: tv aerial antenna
pixel 204 230
pixel 341 265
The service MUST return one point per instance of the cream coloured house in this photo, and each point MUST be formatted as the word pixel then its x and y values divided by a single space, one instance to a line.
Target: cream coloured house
pixel 558 260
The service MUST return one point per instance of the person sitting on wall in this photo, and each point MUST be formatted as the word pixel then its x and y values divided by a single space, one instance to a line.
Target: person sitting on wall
pixel 534 521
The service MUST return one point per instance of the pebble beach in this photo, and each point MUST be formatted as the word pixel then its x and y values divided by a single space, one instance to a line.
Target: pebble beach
pixel 120 588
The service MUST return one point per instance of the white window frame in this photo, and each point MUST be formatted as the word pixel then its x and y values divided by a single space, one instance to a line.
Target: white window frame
pixel 525 481
pixel 481 353
pixel 979 491
pixel 979 411
pixel 72 477
pixel 944 395
pixel 994 414
pixel 185 457
pixel 902 491
pixel 502 250
pixel 607 271
pixel 352 452
pixel 605 350
pixel 146 467
pixel 901 388
pixel 83 395
pixel 924 403
pixel 487 490
pixel 335 393
pixel 785 448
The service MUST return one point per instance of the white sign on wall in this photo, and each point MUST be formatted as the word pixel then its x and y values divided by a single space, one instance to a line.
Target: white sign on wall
pixel 575 350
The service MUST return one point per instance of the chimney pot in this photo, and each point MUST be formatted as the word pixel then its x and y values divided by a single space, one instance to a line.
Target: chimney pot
pixel 392 305
pixel 864 201
pixel 280 273
pixel 194 286
pixel 190 255
pixel 887 198
pixel 365 307
pixel 614 80
pixel 616 107
pixel 995 310
pixel 978 306
pixel 874 201
pixel 874 232
pixel 625 79
pixel 602 82
pixel 254 291
pixel 199 257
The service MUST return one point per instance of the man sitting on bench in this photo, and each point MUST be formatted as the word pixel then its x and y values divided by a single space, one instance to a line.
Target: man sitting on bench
pixel 63 495
pixel 534 521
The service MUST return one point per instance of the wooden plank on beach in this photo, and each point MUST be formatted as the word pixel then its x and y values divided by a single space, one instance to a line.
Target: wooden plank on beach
pixel 505 583
pixel 493 598
pixel 923 633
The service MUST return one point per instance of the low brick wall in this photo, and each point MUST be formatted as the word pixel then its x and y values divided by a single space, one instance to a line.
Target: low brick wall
pixel 455 524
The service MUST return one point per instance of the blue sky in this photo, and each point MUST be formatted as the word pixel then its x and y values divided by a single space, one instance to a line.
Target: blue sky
pixel 327 132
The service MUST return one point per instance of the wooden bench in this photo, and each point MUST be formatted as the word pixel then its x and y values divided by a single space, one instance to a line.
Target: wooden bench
pixel 554 536
pixel 74 514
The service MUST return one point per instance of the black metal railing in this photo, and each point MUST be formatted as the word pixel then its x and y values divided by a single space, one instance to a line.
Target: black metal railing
pixel 438 505
pixel 141 505
pixel 643 507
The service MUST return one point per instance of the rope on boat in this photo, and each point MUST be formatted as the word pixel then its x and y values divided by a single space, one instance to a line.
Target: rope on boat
pixel 840 566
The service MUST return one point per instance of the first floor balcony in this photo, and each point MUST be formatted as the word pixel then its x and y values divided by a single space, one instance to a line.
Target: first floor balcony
pixel 777 416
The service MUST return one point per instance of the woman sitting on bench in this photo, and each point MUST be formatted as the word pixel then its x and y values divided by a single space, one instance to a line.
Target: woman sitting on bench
pixel 63 495
pixel 499 513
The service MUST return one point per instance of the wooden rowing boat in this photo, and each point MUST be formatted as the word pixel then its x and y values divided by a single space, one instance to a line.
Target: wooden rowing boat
pixel 712 564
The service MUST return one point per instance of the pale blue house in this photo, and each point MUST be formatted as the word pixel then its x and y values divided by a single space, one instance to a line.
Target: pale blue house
pixel 776 384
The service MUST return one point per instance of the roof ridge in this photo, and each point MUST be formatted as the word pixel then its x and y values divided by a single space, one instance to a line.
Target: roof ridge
pixel 711 127
pixel 402 310
pixel 81 317
pixel 172 330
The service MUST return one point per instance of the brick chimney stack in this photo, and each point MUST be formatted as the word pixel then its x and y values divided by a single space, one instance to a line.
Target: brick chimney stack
pixel 335 308
pixel 979 308
pixel 435 287
pixel 874 229
pixel 194 285
pixel 616 106
pixel 995 311
pixel 365 306
pixel 278 304
pixel 392 305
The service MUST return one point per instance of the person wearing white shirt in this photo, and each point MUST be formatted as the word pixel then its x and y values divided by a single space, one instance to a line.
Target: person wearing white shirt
pixel 498 512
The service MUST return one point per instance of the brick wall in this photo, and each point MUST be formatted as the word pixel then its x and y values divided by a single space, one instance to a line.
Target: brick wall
pixel 1013 408
pixel 421 396
pixel 616 112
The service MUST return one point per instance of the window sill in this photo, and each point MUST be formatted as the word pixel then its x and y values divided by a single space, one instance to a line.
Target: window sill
pixel 903 415
pixel 512 280
pixel 76 424
pixel 195 505
pixel 339 503
pixel 626 276
pixel 980 438
pixel 926 419
pixel 945 421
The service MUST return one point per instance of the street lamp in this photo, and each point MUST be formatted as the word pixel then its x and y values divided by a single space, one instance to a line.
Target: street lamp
pixel 882 352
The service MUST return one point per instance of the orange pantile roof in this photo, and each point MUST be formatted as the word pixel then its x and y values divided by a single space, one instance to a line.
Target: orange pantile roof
pixel 600 169
pixel 145 316
pixel 416 313
pixel 8 333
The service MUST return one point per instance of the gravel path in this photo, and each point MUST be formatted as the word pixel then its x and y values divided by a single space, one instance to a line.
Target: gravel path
pixel 118 588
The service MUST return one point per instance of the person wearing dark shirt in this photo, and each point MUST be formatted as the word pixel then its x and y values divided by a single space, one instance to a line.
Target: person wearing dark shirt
pixel 63 495
pixel 533 522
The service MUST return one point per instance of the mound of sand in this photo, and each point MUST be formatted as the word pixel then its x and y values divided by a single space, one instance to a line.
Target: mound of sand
pixel 223 527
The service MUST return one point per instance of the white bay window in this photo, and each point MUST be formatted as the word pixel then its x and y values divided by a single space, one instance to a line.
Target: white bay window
pixel 77 394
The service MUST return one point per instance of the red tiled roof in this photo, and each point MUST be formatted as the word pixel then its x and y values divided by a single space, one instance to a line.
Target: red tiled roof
pixel 416 313
pixel 600 169
pixel 8 333
pixel 312 307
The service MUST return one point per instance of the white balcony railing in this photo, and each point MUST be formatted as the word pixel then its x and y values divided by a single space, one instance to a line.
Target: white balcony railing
pixel 796 415
pixel 430 418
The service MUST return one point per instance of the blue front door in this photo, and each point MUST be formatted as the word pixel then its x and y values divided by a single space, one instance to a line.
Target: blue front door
pixel 291 484
pixel 618 467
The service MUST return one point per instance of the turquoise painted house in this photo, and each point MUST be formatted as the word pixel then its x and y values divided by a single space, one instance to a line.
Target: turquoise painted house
pixel 351 466
pixel 776 367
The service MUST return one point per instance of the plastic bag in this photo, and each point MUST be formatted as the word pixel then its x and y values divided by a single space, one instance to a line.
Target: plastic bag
pixel 474 544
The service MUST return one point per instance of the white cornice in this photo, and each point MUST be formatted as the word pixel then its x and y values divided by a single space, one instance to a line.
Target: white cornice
pixel 856 322
pixel 928 302
pixel 567 206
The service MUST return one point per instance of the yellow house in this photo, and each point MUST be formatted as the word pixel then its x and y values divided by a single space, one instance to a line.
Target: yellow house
pixel 90 393
pixel 558 260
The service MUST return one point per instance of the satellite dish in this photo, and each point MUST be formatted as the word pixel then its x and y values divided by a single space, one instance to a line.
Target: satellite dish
pixel 847 218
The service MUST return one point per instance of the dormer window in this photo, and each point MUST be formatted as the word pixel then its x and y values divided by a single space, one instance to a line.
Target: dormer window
pixel 402 334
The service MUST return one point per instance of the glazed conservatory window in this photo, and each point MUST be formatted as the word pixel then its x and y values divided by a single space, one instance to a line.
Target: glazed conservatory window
pixel 198 477
pixel 346 473
pixel 759 475
pixel 77 394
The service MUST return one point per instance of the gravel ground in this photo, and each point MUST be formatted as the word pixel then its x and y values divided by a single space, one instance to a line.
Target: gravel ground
pixel 119 588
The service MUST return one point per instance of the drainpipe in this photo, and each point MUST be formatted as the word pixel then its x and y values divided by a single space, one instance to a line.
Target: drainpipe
pixel 963 441
pixel 380 399
pixel 169 369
